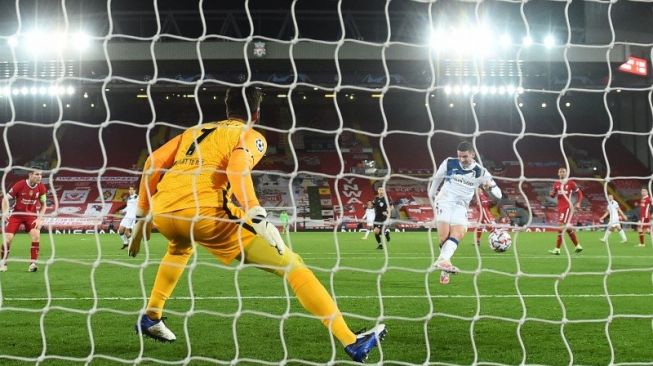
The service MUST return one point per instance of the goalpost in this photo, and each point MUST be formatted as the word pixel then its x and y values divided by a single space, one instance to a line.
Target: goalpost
pixel 492 76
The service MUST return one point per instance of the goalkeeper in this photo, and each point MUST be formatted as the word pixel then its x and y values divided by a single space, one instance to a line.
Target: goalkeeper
pixel 191 180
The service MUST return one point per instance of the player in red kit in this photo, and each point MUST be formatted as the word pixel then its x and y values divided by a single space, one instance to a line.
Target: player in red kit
pixel 485 217
pixel 563 189
pixel 644 223
pixel 24 196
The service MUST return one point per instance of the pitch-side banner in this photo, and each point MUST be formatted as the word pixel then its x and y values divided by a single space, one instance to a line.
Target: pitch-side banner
pixel 72 196
pixel 71 221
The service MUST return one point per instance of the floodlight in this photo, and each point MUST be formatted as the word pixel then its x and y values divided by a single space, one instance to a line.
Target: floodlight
pixel 527 41
pixel 12 41
pixel 81 41
pixel 505 40
pixel 35 42
pixel 549 41
pixel 437 39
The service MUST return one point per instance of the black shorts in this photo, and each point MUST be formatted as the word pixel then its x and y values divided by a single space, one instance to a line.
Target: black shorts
pixel 380 225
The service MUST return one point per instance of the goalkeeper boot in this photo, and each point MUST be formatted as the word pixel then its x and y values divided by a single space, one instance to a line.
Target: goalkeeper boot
pixel 555 251
pixel 155 329
pixel 365 342
pixel 32 267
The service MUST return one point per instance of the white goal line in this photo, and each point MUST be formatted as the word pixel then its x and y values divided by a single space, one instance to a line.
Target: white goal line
pixel 356 297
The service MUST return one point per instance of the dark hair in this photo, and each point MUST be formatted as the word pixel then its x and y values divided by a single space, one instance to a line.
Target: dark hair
pixel 235 104
pixel 465 146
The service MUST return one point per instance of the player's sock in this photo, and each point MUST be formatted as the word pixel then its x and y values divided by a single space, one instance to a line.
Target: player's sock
pixel 4 255
pixel 35 251
pixel 573 237
pixel 622 234
pixel 378 238
pixel 607 235
pixel 478 236
pixel 170 270
pixel 317 301
pixel 641 238
pixel 448 248
pixel 387 235
pixel 124 238
pixel 559 240
pixel 367 233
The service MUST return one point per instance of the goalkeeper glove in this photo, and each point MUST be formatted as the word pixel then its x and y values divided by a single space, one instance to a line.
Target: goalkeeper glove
pixel 265 229
pixel 142 228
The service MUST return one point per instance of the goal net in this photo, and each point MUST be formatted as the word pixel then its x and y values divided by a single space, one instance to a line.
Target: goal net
pixel 358 96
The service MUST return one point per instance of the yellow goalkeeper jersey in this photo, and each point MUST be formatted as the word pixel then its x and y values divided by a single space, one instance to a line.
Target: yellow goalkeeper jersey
pixel 202 167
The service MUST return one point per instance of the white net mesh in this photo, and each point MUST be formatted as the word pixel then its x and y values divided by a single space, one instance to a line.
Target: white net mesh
pixel 358 96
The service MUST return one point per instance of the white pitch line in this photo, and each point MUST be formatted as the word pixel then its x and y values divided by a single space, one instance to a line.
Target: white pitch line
pixel 346 256
pixel 356 297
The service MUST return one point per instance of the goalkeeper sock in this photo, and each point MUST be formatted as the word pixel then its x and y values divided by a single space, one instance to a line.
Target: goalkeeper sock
pixel 170 270
pixel 35 251
pixel 559 240
pixel 317 301
pixel 622 234
pixel 448 248
pixel 573 237
pixel 641 238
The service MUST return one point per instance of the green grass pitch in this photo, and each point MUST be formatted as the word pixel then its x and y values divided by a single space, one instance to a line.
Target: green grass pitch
pixel 82 304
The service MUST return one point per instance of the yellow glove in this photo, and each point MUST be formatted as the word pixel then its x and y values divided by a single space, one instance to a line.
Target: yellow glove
pixel 142 228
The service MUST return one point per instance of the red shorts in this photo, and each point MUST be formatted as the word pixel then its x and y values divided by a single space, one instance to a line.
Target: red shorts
pixel 14 222
pixel 645 222
pixel 564 217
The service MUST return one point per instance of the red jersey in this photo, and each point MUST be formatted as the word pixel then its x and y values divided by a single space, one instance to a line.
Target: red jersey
pixel 645 208
pixel 27 197
pixel 564 191
pixel 485 204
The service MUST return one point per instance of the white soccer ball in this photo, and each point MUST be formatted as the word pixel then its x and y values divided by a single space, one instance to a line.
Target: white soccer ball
pixel 499 240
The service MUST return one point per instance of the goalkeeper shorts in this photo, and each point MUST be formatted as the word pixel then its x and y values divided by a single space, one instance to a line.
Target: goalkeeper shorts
pixel 221 230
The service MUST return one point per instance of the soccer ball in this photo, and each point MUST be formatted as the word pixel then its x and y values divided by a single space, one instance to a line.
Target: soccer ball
pixel 499 240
